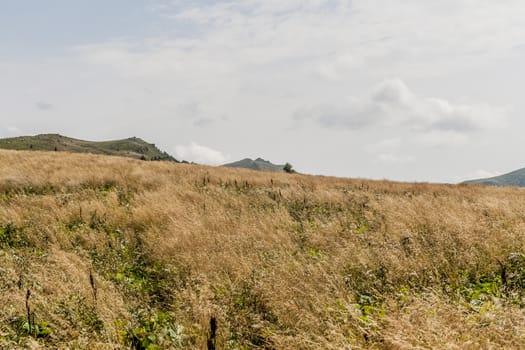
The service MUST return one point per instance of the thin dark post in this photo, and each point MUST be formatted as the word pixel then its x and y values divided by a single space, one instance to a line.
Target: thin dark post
pixel 93 285
pixel 28 309
pixel 213 334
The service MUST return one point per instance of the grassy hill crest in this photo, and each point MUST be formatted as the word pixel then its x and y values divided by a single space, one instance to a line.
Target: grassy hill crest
pixel 132 147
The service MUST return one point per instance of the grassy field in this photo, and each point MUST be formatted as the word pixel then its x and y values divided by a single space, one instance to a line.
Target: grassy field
pixel 100 252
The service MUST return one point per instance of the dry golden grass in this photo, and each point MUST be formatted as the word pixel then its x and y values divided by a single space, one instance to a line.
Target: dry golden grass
pixel 280 261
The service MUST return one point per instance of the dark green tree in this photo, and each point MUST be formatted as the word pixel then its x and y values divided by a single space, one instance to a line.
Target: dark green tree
pixel 289 168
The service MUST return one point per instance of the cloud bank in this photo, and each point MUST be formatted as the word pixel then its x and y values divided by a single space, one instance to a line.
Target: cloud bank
pixel 327 38
pixel 194 152
pixel 260 62
pixel 392 104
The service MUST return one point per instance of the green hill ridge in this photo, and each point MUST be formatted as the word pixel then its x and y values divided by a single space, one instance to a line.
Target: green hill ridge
pixel 514 178
pixel 132 147
pixel 257 164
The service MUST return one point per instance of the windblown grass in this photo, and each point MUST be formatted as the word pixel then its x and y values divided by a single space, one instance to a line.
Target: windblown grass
pixel 280 261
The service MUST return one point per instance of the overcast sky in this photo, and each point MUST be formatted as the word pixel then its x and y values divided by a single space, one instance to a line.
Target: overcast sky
pixel 399 89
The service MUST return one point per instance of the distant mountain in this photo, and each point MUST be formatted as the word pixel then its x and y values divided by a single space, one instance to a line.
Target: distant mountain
pixel 257 164
pixel 515 178
pixel 132 147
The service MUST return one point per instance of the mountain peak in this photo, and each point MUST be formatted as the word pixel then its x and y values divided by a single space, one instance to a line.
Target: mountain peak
pixel 257 164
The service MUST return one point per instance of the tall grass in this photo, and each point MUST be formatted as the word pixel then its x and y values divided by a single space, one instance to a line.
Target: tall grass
pixel 121 253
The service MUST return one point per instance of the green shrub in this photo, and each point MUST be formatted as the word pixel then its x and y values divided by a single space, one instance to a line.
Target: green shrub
pixel 13 237
pixel 154 331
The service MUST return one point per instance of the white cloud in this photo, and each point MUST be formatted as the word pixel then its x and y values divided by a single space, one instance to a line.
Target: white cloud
pixel 330 38
pixel 200 154
pixel 393 104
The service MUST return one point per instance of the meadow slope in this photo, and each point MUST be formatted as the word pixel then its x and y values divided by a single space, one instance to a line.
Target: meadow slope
pixel 119 253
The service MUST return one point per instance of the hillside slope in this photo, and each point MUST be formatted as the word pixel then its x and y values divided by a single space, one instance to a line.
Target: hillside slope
pixel 257 164
pixel 117 253
pixel 132 147
pixel 514 178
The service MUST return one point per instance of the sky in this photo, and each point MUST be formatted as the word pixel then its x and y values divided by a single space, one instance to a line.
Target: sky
pixel 409 90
